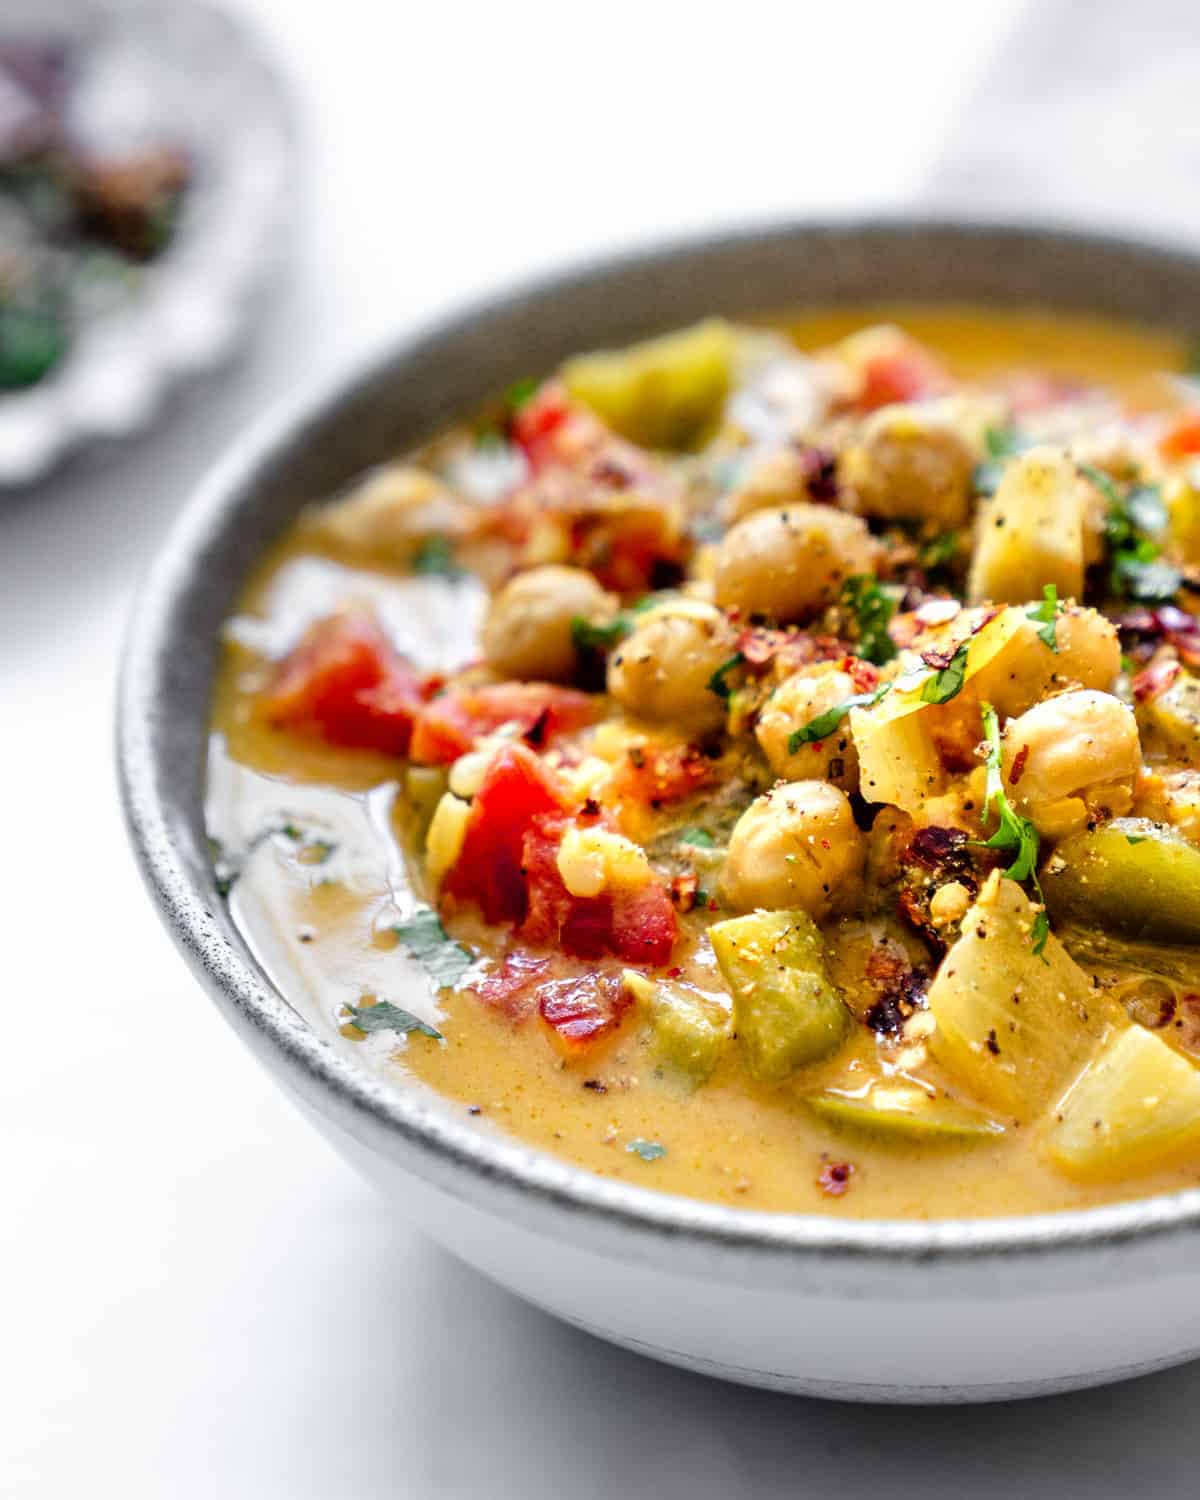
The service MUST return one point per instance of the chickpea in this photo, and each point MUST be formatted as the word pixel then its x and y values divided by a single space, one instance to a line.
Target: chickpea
pixel 1088 649
pixel 788 564
pixel 796 702
pixel 796 847
pixel 911 464
pixel 1070 759
pixel 662 671
pixel 777 478
pixel 389 515
pixel 528 629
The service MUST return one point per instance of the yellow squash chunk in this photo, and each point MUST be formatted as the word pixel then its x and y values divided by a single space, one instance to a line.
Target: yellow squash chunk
pixel 1130 876
pixel 1014 1027
pixel 1031 531
pixel 1170 722
pixel 786 1012
pixel 1136 1108
pixel 902 1112
pixel 664 393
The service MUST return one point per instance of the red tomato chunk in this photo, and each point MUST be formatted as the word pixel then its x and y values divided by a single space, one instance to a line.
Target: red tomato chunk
pixel 450 725
pixel 345 683
pixel 509 867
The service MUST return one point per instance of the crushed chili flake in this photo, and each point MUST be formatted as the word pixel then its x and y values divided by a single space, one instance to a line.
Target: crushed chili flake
pixel 595 1086
pixel 683 890
pixel 535 735
pixel 1018 765
pixel 834 1178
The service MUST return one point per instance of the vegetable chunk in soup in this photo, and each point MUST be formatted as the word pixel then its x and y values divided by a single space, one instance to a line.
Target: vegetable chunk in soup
pixel 760 764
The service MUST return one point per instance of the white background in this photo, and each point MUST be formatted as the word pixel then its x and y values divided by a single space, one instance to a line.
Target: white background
pixel 196 1298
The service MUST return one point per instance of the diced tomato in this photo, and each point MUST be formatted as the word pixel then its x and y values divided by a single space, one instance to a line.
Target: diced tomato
pixel 345 683
pixel 633 554
pixel 903 374
pixel 509 867
pixel 583 1009
pixel 536 426
pixel 517 789
pixel 1182 438
pixel 450 725
pixel 657 777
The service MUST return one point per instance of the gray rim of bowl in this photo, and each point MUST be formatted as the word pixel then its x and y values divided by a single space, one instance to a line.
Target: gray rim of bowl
pixel 161 818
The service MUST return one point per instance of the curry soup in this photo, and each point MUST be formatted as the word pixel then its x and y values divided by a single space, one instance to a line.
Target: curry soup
pixel 761 764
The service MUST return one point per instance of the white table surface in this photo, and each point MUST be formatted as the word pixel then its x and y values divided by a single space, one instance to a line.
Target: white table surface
pixel 196 1298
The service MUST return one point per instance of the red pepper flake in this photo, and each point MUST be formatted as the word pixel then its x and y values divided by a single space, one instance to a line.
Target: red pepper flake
pixel 1018 765
pixel 834 1178
pixel 675 973
pixel 683 890
pixel 590 809
pixel 938 659
pixel 535 735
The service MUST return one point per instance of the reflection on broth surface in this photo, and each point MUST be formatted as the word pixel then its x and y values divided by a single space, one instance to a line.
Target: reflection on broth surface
pixel 760 764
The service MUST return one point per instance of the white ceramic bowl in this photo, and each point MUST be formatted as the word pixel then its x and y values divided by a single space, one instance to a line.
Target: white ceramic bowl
pixel 952 1310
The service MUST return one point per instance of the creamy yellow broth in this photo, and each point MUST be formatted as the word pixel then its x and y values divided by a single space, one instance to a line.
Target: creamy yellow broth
pixel 327 859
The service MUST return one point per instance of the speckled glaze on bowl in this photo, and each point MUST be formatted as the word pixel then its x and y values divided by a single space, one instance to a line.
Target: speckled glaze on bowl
pixel 952 1310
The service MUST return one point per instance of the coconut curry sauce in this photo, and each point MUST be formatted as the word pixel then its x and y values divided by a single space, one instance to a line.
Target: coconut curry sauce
pixel 761 764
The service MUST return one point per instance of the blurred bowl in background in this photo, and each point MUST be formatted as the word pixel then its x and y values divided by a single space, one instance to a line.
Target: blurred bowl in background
pixel 144 182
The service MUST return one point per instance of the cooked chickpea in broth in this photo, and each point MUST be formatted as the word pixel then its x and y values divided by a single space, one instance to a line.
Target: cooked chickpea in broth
pixel 761 764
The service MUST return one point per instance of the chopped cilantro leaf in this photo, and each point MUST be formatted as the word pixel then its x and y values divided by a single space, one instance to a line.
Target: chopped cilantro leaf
pixel 1014 834
pixel 946 682
pixel 1046 616
pixel 1147 580
pixel 423 935
pixel 589 637
pixel 1002 442
pixel 647 1150
pixel 1135 838
pixel 699 837
pixel 825 724
pixel 435 556
pixel 384 1016
pixel 717 683
pixel 873 608
pixel 939 550
pixel 521 392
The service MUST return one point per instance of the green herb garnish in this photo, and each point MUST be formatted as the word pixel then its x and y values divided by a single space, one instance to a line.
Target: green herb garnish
pixel 1014 834
pixel 1045 615
pixel 940 550
pixel 589 637
pixel 647 1150
pixel 825 724
pixel 384 1016
pixel 946 682
pixel 435 557
pixel 873 608
pixel 521 392
pixel 1001 444
pixel 700 838
pixel 426 940
pixel 1135 838
pixel 717 683
pixel 1132 525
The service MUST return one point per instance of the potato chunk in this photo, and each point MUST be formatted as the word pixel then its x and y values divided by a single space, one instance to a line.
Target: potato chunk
pixel 1013 1026
pixel 1031 532
pixel 786 1013
pixel 664 393
pixel 1136 1108
pixel 1171 720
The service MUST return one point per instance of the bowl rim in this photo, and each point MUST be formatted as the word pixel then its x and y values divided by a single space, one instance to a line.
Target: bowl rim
pixel 434 1145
